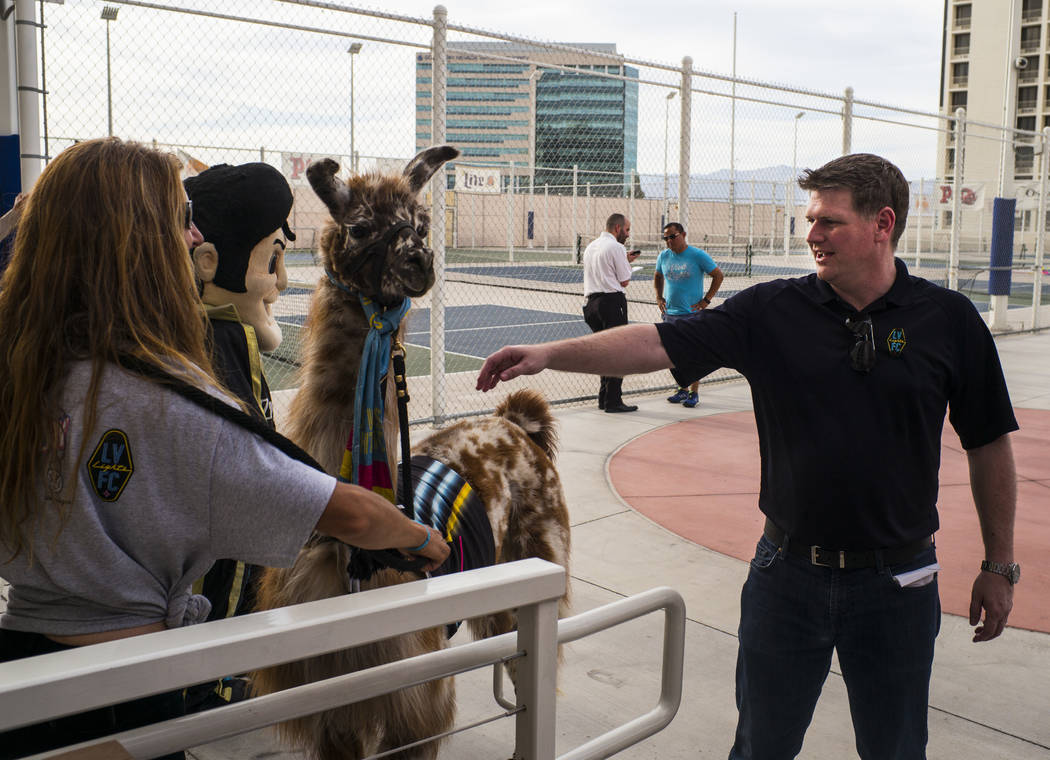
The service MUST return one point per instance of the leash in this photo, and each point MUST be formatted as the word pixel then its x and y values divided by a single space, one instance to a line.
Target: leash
pixel 401 387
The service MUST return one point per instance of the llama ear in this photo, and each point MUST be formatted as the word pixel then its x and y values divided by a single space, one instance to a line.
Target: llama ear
pixel 334 194
pixel 421 168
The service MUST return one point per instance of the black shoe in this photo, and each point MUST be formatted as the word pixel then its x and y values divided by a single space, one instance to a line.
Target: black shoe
pixel 621 407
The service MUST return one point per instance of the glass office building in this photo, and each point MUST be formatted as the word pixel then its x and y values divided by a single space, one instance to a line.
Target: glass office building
pixel 544 121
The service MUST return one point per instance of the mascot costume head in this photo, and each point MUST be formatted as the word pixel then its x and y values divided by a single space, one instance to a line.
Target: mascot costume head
pixel 242 212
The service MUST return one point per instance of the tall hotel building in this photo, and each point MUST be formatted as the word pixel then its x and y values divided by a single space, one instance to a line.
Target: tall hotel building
pixel 996 65
pixel 544 120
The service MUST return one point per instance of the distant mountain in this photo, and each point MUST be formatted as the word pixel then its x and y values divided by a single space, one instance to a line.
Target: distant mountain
pixel 769 183
pixel 714 186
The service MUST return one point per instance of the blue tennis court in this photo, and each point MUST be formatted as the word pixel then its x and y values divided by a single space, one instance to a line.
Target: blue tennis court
pixel 479 330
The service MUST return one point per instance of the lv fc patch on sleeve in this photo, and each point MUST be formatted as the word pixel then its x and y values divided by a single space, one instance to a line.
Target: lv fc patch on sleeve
pixel 110 466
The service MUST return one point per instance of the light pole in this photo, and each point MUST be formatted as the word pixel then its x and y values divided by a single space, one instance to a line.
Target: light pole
pixel 667 113
pixel 789 189
pixel 794 149
pixel 353 50
pixel 109 13
pixel 536 73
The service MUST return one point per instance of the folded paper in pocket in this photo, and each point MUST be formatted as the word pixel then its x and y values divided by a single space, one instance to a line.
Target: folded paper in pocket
pixel 918 577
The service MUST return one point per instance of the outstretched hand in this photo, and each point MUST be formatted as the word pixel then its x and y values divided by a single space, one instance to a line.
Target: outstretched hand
pixel 508 363
pixel 995 595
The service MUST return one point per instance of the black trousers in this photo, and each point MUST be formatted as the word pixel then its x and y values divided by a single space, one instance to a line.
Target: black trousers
pixel 60 732
pixel 602 311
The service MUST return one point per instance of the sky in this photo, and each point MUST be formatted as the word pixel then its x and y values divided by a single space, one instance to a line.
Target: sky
pixel 186 80
pixel 888 51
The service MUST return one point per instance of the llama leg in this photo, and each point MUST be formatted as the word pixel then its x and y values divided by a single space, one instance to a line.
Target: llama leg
pixel 335 742
pixel 418 713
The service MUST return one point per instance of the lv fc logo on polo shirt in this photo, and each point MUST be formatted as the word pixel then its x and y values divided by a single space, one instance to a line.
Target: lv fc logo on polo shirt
pixel 895 341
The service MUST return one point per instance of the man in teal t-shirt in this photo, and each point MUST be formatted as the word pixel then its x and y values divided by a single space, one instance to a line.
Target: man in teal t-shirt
pixel 679 281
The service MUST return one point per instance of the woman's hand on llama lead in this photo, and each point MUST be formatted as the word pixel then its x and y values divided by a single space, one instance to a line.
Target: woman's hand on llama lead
pixel 360 517
pixel 431 546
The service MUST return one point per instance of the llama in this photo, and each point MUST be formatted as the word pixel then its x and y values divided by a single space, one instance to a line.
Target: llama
pixel 374 245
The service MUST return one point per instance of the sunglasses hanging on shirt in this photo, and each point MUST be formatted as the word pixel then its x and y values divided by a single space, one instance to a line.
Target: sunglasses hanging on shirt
pixel 862 353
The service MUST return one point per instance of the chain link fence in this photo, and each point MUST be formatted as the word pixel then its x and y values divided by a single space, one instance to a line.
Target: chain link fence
pixel 555 138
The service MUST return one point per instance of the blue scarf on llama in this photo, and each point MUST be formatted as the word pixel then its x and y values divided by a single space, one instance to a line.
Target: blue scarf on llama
pixel 364 461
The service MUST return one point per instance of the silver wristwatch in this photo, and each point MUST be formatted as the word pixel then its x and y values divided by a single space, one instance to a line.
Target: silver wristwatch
pixel 1009 570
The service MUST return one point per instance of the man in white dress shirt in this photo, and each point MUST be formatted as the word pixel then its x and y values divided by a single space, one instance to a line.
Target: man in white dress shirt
pixel 606 272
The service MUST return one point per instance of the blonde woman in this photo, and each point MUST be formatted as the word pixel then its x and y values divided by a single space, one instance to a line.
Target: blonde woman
pixel 116 492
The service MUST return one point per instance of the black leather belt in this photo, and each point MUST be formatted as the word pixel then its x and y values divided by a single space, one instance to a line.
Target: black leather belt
pixel 846 560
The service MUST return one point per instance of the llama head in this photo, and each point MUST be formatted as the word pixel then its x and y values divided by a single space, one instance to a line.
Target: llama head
pixel 375 243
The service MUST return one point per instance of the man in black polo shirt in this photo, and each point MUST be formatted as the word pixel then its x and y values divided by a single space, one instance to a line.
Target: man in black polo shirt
pixel 851 371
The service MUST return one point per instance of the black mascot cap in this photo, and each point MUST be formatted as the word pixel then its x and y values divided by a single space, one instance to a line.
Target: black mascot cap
pixel 235 207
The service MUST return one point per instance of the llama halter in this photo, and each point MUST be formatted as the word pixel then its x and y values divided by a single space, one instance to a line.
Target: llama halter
pixel 369 250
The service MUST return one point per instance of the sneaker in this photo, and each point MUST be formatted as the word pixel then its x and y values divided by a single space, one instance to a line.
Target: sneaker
pixel 679 397
pixel 692 400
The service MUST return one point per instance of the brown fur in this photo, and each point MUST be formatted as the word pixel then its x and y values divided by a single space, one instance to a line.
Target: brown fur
pixel 508 459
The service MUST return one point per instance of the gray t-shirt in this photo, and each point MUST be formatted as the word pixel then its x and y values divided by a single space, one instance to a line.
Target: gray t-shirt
pixel 162 489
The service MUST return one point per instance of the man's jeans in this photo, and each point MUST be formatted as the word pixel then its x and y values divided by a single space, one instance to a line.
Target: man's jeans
pixel 793 614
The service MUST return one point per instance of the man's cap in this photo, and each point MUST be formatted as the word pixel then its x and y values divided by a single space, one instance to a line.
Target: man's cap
pixel 235 207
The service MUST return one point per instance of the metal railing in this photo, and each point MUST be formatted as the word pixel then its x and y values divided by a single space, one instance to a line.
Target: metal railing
pixel 64 683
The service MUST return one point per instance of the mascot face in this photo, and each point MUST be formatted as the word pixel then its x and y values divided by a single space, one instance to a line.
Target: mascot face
pixel 264 279
pixel 242 213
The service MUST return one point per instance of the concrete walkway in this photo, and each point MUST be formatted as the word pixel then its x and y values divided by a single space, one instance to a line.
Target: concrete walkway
pixel 988 701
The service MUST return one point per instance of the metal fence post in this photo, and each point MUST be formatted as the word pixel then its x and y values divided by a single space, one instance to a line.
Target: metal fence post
pixel 751 219
pixel 510 213
pixel 1040 245
pixel 847 122
pixel 787 219
pixel 957 177
pixel 437 188
pixel 473 219
pixel 918 224
pixel 630 197
pixel 575 194
pixel 732 150
pixel 587 216
pixel 537 676
pixel 686 96
pixel 29 92
pixel 546 200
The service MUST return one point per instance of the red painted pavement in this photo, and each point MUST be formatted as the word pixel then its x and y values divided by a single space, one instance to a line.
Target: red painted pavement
pixel 699 479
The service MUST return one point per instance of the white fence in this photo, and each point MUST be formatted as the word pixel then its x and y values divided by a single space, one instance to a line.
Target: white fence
pixel 655 140
pixel 64 683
